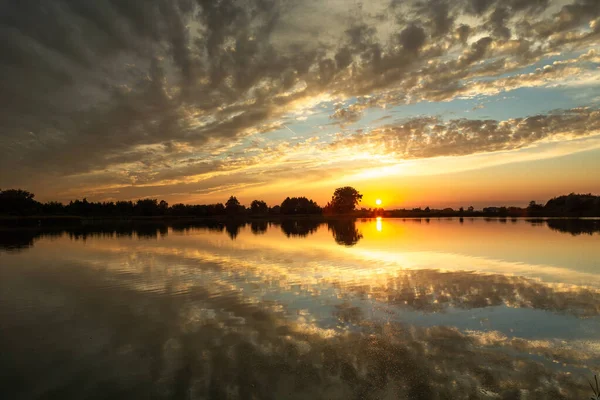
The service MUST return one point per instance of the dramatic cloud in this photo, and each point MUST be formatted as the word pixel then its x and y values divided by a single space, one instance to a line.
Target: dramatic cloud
pixel 432 137
pixel 109 94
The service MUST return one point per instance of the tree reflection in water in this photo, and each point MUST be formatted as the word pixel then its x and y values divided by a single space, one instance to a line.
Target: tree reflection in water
pixel 344 231
pixel 299 227
pixel 145 320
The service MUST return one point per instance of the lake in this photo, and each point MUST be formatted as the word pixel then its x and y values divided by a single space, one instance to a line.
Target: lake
pixel 366 309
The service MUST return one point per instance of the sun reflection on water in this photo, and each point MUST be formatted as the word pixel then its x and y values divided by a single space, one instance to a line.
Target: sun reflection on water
pixel 316 303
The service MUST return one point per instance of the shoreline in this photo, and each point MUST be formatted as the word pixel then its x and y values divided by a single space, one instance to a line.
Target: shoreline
pixel 80 221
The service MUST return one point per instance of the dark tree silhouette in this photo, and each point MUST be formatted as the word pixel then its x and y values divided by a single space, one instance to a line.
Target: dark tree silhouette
pixel 53 208
pixel 147 207
pixel 232 206
pixel 163 207
pixel 345 200
pixel 574 204
pixel 218 209
pixel 258 207
pixel 17 202
pixel 299 206
pixel 275 210
pixel 124 207
pixel 533 206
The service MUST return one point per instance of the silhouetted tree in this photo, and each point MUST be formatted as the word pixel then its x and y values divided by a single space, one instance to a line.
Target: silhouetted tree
pixel 574 204
pixel 21 203
pixel 275 210
pixel 259 207
pixel 534 207
pixel 163 207
pixel 345 200
pixel 218 209
pixel 124 207
pixel 79 207
pixel 53 208
pixel 180 210
pixel 232 206
pixel 17 202
pixel 299 206
pixel 147 207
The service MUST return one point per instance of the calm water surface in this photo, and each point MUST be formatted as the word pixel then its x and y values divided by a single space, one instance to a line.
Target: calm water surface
pixel 373 309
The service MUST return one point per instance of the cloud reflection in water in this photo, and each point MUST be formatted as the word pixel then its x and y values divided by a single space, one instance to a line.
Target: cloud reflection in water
pixel 190 312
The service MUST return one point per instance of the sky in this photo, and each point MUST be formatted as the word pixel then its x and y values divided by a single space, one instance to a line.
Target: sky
pixel 417 103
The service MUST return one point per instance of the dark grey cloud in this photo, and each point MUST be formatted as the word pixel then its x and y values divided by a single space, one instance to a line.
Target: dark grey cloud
pixel 51 124
pixel 476 52
pixel 463 32
pixel 570 16
pixel 479 6
pixel 412 38
pixel 497 23
pixel 440 18
pixel 87 86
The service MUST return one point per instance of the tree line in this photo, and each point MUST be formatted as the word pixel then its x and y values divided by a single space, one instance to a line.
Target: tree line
pixel 344 201
pixel 18 202
pixel 571 205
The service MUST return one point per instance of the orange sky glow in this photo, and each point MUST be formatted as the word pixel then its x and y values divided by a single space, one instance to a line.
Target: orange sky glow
pixel 441 106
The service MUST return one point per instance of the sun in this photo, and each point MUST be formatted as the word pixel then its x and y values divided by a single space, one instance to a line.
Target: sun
pixel 378 202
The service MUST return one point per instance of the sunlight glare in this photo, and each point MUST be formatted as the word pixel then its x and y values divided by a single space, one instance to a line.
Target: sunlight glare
pixel 378 202
pixel 379 224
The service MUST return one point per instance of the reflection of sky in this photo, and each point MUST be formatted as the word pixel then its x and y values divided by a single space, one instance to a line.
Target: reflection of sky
pixel 332 290
pixel 313 273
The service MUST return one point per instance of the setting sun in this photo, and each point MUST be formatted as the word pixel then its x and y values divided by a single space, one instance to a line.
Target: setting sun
pixel 378 202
